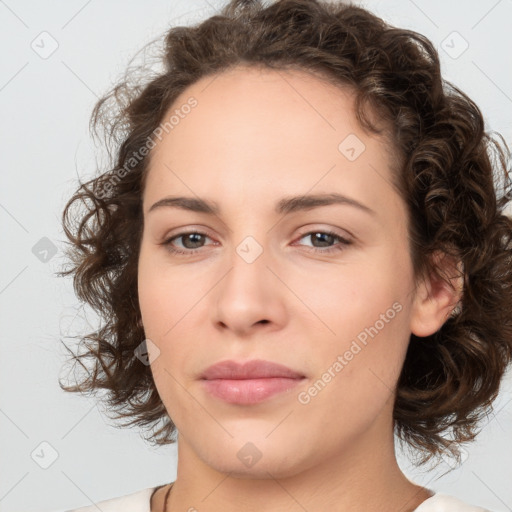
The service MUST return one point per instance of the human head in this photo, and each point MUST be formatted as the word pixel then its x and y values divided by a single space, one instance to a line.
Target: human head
pixel 443 172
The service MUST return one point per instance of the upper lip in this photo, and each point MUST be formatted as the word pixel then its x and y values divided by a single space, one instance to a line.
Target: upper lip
pixel 254 369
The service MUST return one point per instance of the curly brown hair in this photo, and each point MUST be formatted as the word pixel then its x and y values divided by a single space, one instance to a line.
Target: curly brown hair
pixel 452 176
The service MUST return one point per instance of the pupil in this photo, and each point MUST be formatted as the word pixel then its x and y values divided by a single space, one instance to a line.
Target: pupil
pixel 189 239
pixel 323 235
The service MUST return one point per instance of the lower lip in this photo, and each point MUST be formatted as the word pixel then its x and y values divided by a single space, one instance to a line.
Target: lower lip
pixel 248 391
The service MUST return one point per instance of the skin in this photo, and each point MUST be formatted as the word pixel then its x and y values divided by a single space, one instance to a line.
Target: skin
pixel 255 137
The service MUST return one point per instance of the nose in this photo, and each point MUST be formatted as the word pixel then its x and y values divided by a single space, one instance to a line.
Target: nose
pixel 250 297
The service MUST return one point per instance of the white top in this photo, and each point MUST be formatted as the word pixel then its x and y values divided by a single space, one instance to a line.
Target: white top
pixel 139 501
pixel 445 503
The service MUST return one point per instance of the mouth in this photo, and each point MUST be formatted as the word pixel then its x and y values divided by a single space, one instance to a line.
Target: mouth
pixel 249 383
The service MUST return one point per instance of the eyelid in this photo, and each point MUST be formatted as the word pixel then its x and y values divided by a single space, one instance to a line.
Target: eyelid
pixel 173 233
pixel 341 233
pixel 303 231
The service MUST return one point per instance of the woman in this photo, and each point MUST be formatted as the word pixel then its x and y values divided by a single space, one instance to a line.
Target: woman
pixel 299 251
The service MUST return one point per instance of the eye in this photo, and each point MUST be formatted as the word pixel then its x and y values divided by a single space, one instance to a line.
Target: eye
pixel 325 238
pixel 192 241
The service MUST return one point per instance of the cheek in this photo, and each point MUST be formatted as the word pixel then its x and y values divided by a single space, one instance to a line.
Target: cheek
pixel 351 298
pixel 367 313
pixel 357 373
pixel 166 293
pixel 169 301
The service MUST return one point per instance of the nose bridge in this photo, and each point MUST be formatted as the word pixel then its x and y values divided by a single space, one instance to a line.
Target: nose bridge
pixel 251 239
pixel 249 265
pixel 249 291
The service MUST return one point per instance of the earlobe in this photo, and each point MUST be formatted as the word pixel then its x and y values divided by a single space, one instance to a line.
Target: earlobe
pixel 436 298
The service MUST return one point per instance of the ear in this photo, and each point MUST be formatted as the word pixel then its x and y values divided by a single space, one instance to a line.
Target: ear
pixel 435 299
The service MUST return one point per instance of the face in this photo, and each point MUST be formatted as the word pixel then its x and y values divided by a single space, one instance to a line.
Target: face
pixel 322 288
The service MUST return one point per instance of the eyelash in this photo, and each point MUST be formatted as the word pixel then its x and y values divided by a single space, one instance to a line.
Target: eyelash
pixel 343 242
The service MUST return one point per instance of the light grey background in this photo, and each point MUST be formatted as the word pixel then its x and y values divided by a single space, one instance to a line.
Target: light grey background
pixel 45 105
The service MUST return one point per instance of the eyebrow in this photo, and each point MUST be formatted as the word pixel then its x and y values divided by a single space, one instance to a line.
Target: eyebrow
pixel 284 206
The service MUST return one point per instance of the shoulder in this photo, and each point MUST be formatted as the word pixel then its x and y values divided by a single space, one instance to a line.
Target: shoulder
pixel 445 503
pixel 138 501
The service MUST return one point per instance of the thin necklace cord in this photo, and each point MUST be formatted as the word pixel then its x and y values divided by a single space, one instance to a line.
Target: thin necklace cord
pixel 167 497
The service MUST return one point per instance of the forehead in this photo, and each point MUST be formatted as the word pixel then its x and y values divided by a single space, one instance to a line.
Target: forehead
pixel 255 101
pixel 267 130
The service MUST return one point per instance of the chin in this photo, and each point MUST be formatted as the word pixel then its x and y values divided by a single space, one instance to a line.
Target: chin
pixel 258 460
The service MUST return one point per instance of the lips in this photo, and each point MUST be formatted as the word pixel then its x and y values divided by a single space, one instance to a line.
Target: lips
pixel 255 369
pixel 248 383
